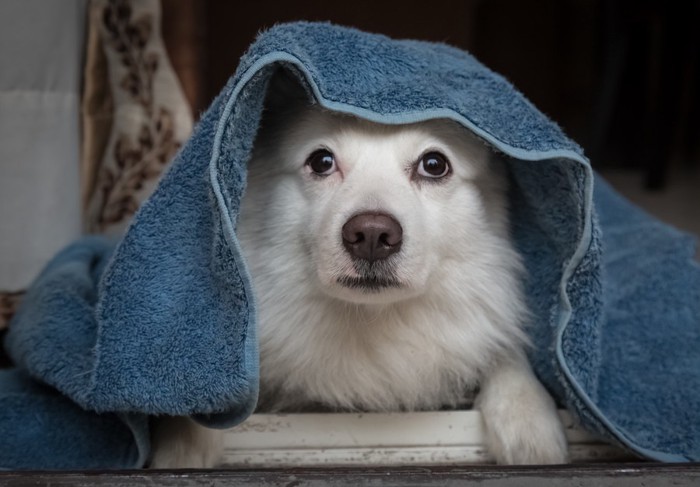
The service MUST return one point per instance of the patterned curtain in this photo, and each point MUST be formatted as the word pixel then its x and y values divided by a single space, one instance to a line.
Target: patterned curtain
pixel 135 114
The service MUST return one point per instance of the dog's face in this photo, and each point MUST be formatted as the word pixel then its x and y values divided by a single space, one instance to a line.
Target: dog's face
pixel 383 269
pixel 376 209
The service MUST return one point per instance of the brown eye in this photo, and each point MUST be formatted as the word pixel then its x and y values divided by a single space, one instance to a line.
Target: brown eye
pixel 322 162
pixel 433 165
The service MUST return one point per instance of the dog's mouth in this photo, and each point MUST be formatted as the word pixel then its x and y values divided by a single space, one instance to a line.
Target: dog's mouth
pixel 371 277
pixel 368 284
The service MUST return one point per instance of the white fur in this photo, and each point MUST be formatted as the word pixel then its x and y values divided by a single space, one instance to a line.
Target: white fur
pixel 454 325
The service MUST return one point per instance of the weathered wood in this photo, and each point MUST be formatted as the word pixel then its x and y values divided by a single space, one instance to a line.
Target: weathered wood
pixel 427 438
pixel 618 475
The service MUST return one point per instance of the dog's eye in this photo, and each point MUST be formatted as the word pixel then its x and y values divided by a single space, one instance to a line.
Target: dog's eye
pixel 321 162
pixel 433 165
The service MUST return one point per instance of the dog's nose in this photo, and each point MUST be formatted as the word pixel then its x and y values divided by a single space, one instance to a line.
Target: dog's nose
pixel 372 236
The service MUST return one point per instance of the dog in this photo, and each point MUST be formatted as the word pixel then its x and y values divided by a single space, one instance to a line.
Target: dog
pixel 386 279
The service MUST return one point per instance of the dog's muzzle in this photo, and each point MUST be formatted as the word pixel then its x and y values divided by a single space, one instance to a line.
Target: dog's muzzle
pixel 370 239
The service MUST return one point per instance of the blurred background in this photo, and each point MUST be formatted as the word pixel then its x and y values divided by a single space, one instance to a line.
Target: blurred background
pixel 97 95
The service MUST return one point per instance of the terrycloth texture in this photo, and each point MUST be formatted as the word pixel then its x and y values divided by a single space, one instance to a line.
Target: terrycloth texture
pixel 169 325
pixel 39 427
pixel 42 429
pixel 649 373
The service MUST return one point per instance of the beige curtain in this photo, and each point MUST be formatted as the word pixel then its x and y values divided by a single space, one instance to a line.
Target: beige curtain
pixel 135 114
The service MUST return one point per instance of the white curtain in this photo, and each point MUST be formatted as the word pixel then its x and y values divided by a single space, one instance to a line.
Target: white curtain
pixel 41 50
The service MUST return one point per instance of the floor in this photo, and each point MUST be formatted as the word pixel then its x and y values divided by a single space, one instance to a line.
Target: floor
pixel 592 475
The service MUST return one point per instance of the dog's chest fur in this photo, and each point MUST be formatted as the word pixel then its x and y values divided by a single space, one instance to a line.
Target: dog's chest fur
pixel 349 357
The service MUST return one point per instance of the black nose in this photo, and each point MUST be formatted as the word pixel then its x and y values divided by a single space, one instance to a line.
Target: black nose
pixel 372 236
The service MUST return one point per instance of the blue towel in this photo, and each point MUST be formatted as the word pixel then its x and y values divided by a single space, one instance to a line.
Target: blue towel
pixel 164 323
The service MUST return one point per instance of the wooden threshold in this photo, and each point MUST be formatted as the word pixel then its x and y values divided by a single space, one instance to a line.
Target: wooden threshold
pixel 587 475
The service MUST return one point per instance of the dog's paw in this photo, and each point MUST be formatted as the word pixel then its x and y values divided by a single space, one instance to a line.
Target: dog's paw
pixel 521 419
pixel 180 443
pixel 533 438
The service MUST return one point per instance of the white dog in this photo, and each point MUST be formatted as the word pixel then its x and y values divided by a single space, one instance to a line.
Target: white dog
pixel 386 280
